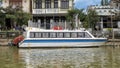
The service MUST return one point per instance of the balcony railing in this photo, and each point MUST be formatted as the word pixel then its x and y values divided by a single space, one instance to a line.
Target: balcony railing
pixel 48 11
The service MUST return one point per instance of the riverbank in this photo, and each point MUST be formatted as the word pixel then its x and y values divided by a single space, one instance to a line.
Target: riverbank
pixel 4 42
pixel 7 36
pixel 116 42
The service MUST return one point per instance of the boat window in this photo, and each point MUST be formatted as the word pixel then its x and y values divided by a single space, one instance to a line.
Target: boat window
pixel 60 35
pixel 53 35
pixel 40 35
pixel 32 34
pixel 74 35
pixel 66 35
pixel 81 35
pixel 45 35
pixel 87 35
pixel 36 35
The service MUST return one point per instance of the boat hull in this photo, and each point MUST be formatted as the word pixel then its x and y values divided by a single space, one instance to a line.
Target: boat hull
pixel 62 43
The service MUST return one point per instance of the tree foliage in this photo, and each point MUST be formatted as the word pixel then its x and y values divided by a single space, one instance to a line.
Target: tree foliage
pixel 15 14
pixel 22 18
pixel 71 16
pixel 88 20
pixel 2 16
pixel 92 18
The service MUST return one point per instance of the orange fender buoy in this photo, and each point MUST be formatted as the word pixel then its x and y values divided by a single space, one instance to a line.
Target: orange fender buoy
pixel 17 39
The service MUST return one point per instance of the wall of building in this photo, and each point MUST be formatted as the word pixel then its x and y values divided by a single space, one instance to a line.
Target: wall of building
pixel 26 5
pixel 46 15
pixel 5 3
pixel 115 4
pixel 51 10
pixel 107 15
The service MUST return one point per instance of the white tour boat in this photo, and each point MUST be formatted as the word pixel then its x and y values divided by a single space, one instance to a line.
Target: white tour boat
pixel 60 38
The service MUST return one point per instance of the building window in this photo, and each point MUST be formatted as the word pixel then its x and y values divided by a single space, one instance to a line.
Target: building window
pixel 64 4
pixel 55 3
pixel 63 19
pixel 38 4
pixel 56 19
pixel 47 3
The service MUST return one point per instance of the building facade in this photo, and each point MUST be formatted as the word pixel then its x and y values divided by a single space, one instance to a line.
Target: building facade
pixel 115 4
pixel 107 15
pixel 50 12
pixel 25 4
pixel 104 2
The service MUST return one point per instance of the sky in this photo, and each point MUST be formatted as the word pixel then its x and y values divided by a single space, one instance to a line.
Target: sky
pixel 84 3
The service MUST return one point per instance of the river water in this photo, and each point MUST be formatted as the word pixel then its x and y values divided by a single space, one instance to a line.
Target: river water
pixel 99 57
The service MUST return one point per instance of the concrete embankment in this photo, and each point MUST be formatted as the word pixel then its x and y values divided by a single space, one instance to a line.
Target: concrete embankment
pixel 4 42
pixel 115 42
pixel 7 36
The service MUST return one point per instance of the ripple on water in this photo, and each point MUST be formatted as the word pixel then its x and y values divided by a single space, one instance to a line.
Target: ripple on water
pixel 71 57
pixel 101 57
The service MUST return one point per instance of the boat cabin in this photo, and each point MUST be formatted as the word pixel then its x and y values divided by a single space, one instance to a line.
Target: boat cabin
pixel 59 34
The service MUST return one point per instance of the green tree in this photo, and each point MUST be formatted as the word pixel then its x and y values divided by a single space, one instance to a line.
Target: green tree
pixel 17 16
pixel 92 18
pixel 85 23
pixel 2 16
pixel 71 16
pixel 11 15
pixel 22 18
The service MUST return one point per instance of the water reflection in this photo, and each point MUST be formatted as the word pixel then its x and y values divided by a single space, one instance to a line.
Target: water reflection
pixel 9 58
pixel 101 57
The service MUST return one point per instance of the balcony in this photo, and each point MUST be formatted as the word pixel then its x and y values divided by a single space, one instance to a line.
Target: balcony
pixel 48 11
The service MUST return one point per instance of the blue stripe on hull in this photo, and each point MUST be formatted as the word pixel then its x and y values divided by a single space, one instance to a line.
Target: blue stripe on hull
pixel 64 40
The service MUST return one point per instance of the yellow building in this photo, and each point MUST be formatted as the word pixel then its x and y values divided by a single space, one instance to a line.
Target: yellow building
pixel 50 11
pixel 25 4
pixel 46 12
